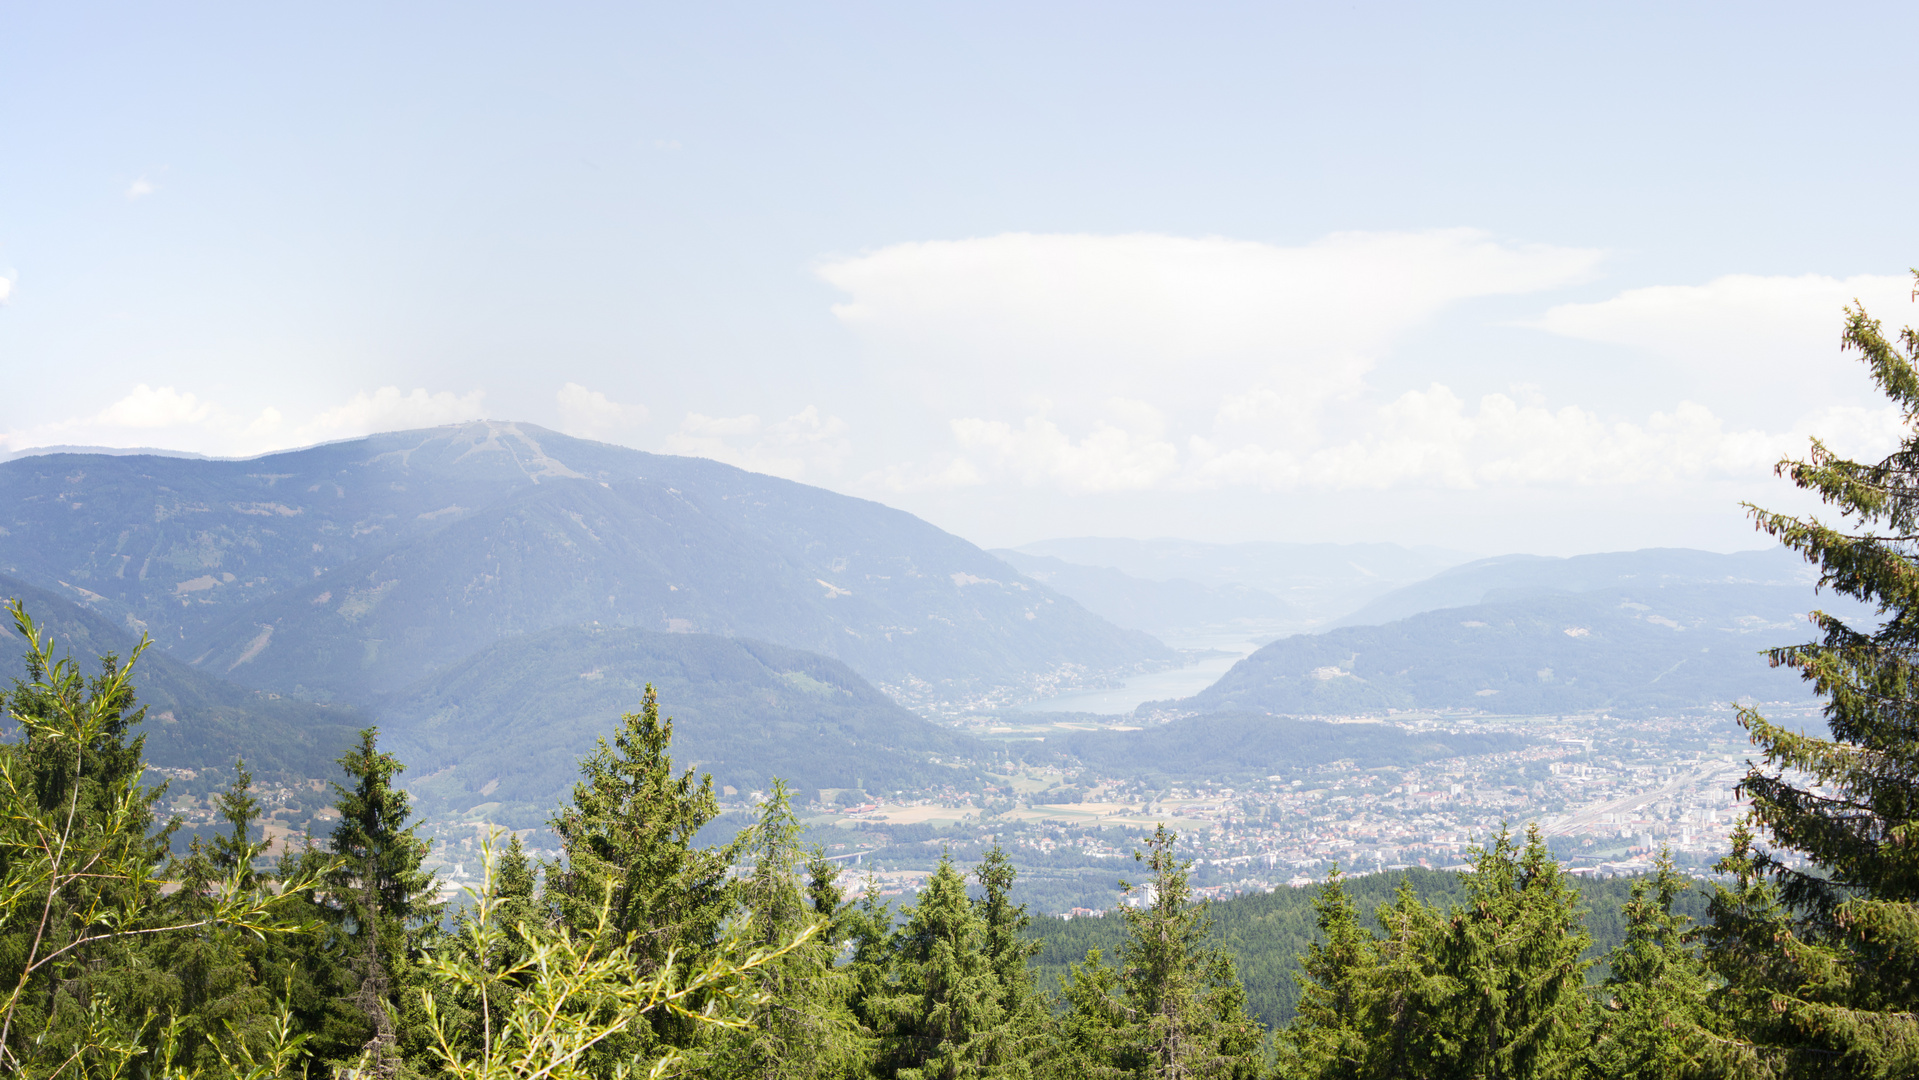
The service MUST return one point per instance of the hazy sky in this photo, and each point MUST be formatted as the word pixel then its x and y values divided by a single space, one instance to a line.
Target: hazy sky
pixel 1526 277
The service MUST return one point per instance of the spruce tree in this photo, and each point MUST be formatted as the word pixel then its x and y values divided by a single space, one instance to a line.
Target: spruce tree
pixel 77 851
pixel 1493 989
pixel 1089 1040
pixel 217 995
pixel 1009 952
pixel 1656 1018
pixel 1337 977
pixel 1184 1001
pixel 383 899
pixel 1839 992
pixel 1512 954
pixel 939 1016
pixel 627 839
pixel 805 1030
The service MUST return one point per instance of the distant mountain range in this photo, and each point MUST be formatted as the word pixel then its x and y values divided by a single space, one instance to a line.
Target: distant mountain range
pixel 1633 631
pixel 350 571
pixel 1654 568
pixel 1169 610
pixel 1186 588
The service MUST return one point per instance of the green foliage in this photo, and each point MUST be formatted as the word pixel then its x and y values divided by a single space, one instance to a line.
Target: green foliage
pixel 1821 960
pixel 806 1029
pixel 380 897
pixel 938 1013
pixel 81 917
pixel 1493 988
pixel 1657 1017
pixel 569 997
pixel 1183 999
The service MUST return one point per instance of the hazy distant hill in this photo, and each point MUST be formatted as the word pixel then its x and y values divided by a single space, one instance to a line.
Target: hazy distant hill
pixel 1649 647
pixel 501 733
pixel 193 719
pixel 353 569
pixel 1161 608
pixel 1648 568
pixel 1243 744
pixel 1317 582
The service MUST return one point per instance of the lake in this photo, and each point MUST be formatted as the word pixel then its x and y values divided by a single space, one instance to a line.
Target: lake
pixel 1158 686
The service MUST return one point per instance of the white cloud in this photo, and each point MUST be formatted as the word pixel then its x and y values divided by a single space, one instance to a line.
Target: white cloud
pixel 147 407
pixel 1178 321
pixel 1431 438
pixel 140 189
pixel 953 472
pixel 387 409
pixel 801 444
pixel 591 414
pixel 1124 452
pixel 6 287
pixel 1750 335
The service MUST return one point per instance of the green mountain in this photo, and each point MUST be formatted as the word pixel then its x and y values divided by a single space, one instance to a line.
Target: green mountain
pixel 194 720
pixel 1656 647
pixel 352 570
pixel 501 733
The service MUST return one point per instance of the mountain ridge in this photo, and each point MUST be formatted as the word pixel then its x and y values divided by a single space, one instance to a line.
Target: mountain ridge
pixel 348 570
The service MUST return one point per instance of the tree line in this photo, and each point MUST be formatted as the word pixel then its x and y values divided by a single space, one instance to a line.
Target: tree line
pixel 635 952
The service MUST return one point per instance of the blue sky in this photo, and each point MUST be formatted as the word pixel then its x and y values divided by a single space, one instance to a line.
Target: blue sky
pixel 1522 277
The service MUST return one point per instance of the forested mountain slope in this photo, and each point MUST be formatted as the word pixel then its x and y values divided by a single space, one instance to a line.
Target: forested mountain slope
pixel 505 729
pixel 1655 647
pixel 194 720
pixel 354 569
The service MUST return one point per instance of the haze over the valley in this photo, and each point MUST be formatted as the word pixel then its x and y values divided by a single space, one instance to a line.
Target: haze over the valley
pixel 1004 421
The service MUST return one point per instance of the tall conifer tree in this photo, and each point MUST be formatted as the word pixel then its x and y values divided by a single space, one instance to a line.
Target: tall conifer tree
pixel 1185 1002
pixel 383 898
pixel 1836 988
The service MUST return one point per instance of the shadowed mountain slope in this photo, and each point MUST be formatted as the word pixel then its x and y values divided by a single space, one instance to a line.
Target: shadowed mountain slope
pixel 193 719
pixel 354 569
pixel 501 733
